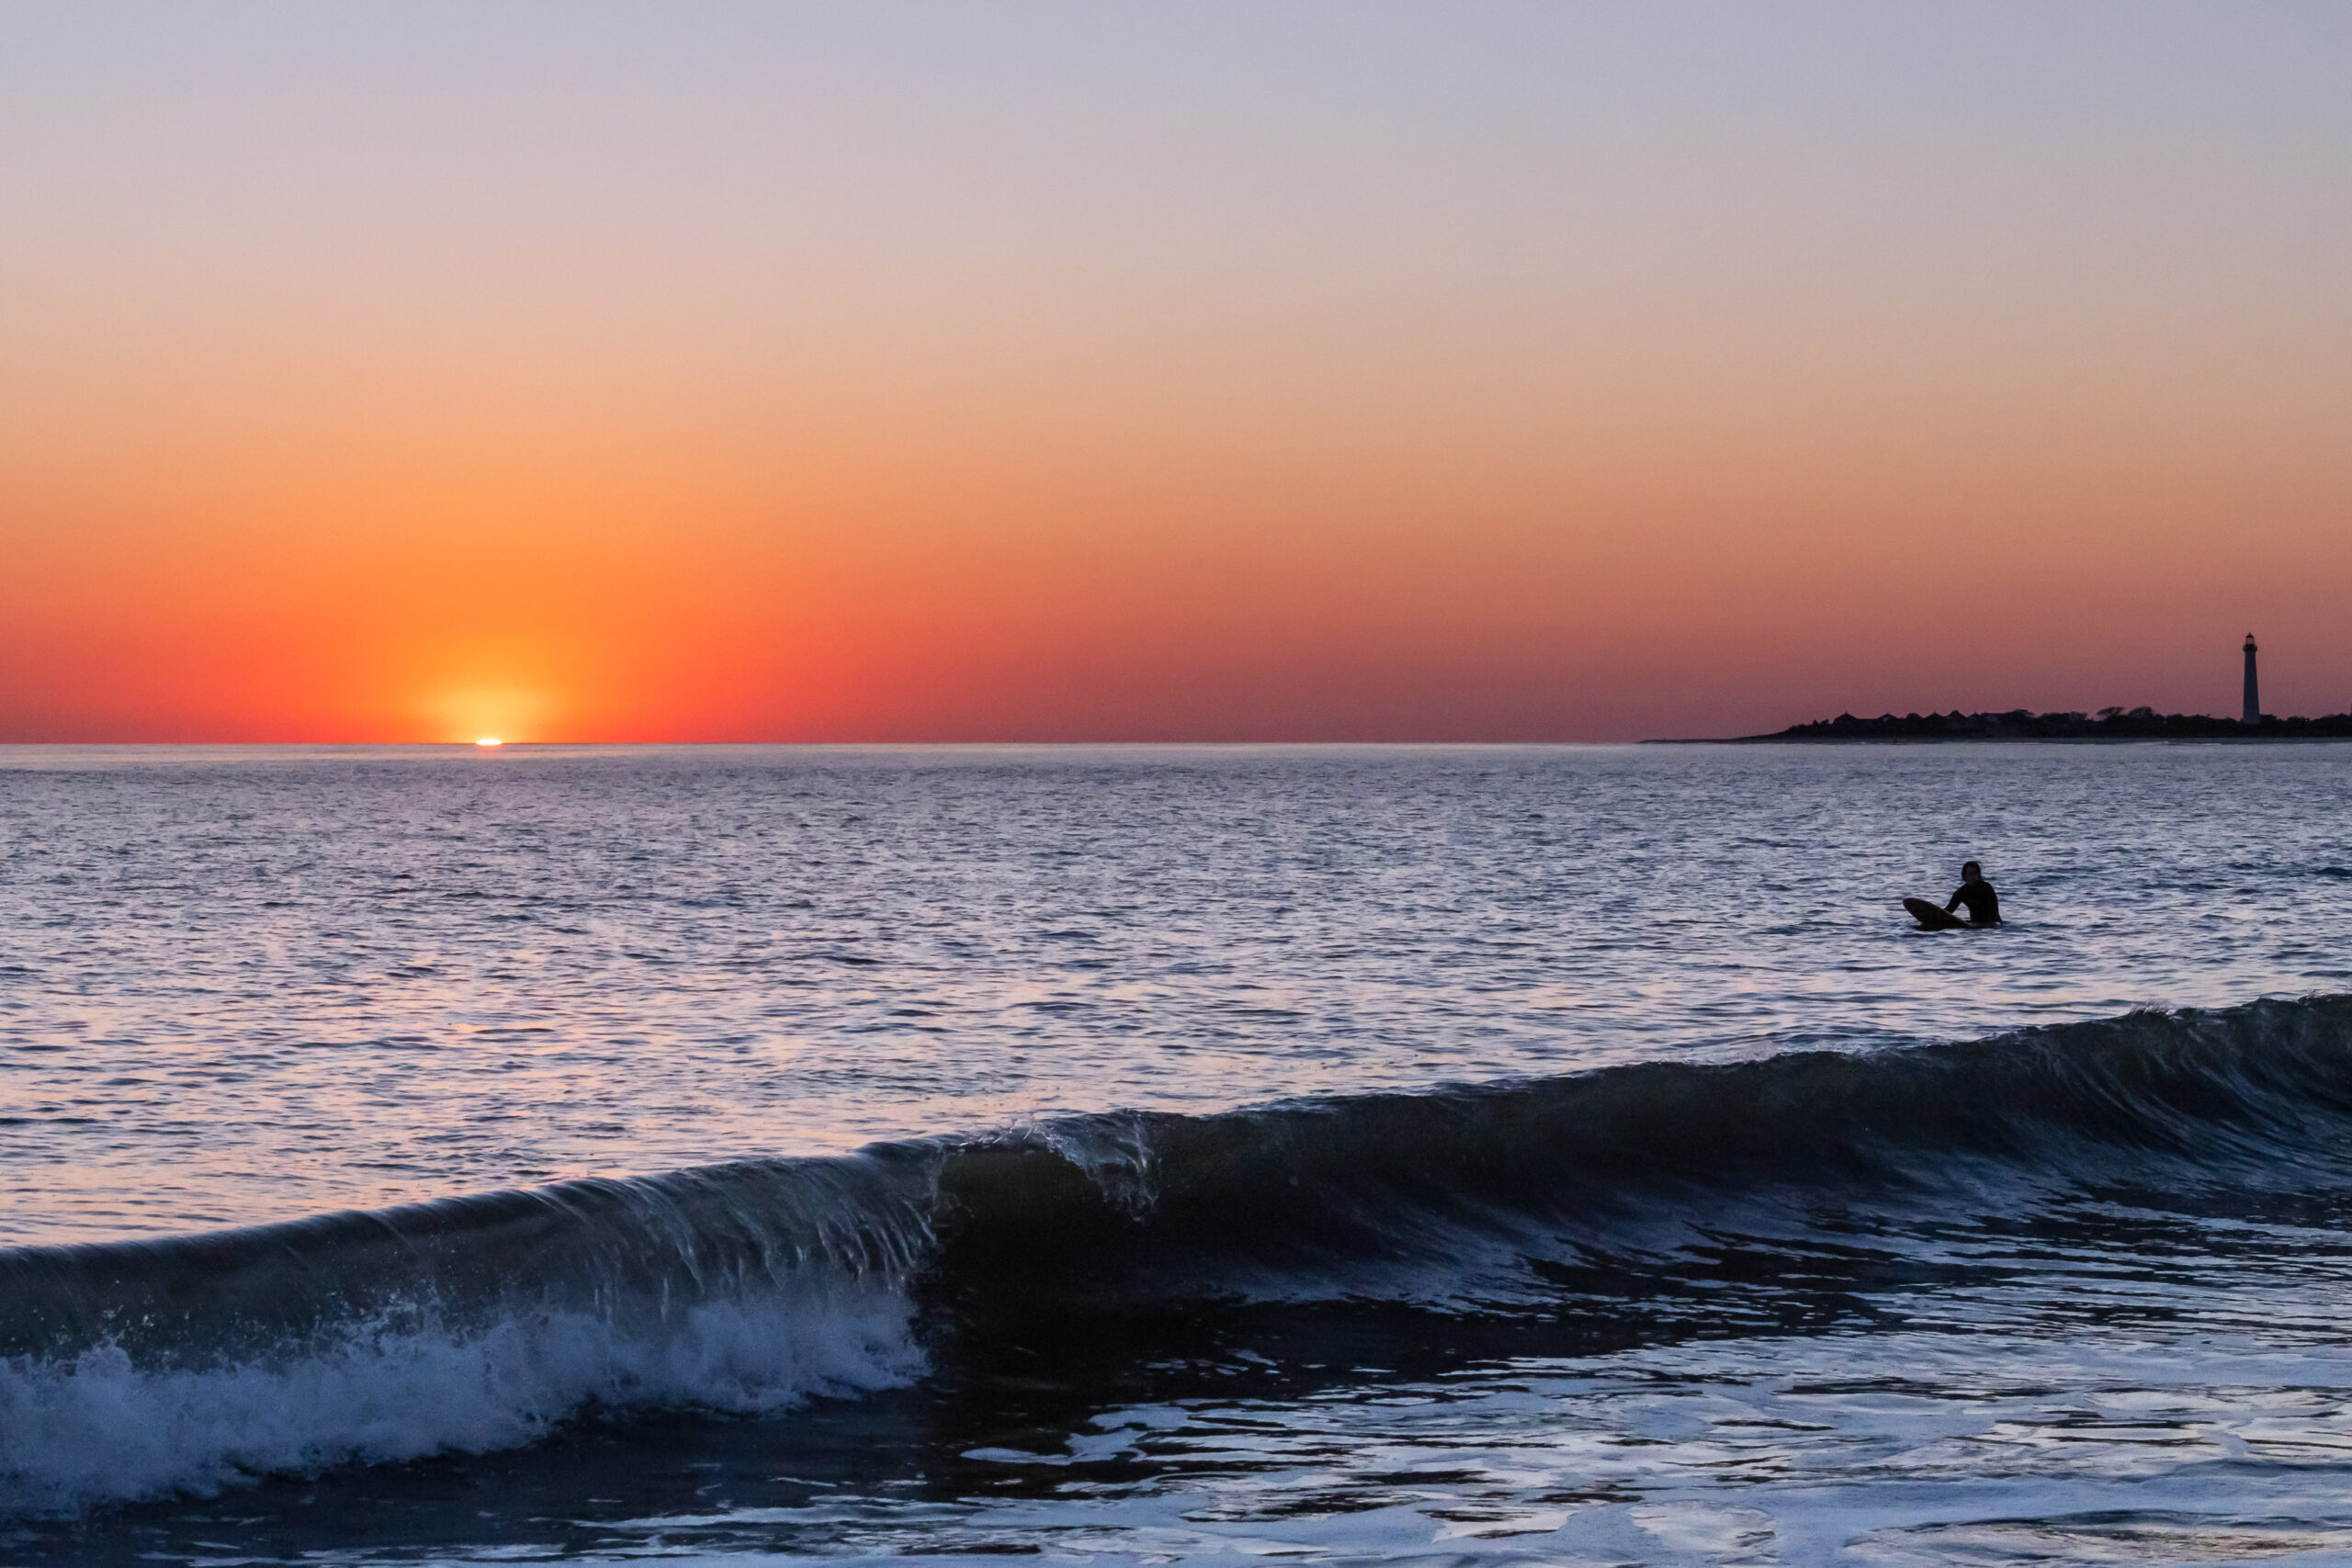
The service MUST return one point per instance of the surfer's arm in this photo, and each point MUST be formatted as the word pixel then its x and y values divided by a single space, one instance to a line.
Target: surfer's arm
pixel 1951 903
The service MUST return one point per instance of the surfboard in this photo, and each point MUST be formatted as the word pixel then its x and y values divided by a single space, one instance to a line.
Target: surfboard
pixel 1932 917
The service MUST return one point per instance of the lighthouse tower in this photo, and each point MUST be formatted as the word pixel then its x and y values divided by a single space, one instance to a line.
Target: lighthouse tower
pixel 2253 691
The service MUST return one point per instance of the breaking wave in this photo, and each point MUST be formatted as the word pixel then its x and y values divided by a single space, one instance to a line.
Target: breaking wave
pixel 134 1368
pixel 138 1367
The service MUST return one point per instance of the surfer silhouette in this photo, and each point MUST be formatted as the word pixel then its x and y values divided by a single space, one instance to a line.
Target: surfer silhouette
pixel 1984 903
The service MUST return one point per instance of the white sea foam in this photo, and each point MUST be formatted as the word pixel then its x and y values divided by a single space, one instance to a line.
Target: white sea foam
pixel 103 1429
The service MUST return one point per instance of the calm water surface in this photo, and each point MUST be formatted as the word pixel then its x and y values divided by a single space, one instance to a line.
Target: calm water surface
pixel 248 984
pixel 1475 1154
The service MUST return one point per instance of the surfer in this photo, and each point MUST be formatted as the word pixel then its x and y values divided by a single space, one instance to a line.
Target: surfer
pixel 1984 903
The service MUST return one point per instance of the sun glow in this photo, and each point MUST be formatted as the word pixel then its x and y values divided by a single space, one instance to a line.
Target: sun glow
pixel 486 713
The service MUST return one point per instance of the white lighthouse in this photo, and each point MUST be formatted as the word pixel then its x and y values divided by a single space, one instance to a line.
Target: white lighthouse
pixel 2253 691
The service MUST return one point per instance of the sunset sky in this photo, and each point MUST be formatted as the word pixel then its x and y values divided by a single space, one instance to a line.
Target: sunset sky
pixel 1281 370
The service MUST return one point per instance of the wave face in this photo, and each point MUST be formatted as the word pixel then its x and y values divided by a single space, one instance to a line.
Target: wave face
pixel 472 1324
pixel 1629 1195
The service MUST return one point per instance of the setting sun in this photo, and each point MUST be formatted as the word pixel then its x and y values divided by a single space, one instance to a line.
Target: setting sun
pixel 490 740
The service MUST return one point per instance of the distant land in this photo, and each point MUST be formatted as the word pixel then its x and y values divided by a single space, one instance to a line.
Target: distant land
pixel 2020 724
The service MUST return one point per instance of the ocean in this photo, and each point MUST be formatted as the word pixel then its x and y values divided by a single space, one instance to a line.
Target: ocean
pixel 1142 1155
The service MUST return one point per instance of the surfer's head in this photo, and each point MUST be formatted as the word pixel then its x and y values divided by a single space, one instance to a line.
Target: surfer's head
pixel 1972 872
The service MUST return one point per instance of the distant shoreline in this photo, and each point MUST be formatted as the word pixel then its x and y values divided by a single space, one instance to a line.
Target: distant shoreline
pixel 2021 723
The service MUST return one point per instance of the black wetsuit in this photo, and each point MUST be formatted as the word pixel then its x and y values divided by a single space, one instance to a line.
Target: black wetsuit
pixel 1984 903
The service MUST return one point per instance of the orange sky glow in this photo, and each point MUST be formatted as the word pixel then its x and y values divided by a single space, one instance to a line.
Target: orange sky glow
pixel 1115 372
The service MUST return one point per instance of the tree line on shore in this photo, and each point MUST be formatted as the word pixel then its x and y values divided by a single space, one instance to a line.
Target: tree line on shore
pixel 2021 723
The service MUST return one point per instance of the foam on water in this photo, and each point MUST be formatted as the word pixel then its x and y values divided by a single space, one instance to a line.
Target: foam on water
pixel 103 1427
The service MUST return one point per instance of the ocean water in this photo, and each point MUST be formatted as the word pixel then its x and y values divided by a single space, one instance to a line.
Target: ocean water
pixel 1147 1155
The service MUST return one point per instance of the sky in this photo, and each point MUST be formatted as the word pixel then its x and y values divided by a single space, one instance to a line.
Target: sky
pixel 1290 370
